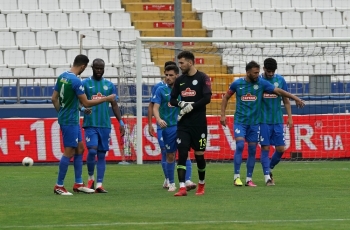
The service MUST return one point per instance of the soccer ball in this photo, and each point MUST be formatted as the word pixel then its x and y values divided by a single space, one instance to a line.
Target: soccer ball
pixel 27 161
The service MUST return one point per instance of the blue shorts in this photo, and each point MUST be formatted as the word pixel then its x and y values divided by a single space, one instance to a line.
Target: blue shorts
pixel 160 138
pixel 169 137
pixel 249 132
pixel 97 137
pixel 71 135
pixel 272 135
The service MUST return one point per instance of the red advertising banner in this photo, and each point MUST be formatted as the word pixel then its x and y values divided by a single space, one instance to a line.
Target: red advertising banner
pixel 158 7
pixel 165 25
pixel 314 136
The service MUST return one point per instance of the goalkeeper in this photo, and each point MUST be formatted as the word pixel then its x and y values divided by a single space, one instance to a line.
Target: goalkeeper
pixel 194 88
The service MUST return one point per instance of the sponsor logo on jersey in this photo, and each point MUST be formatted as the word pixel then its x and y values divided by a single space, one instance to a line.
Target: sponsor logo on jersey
pixel 98 96
pixel 248 97
pixel 267 95
pixel 188 93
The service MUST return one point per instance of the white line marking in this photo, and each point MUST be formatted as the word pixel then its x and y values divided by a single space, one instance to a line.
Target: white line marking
pixel 173 222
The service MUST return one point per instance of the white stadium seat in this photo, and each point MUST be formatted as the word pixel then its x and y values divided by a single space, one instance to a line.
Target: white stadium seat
pixel 5 72
pixel 222 5
pixel 302 5
pixel 87 73
pixel 303 69
pixel 252 20
pixel 7 41
pixel 261 33
pixel 115 57
pixel 201 6
pixel 302 33
pixel 322 5
pixel 99 53
pixel 324 69
pixel 212 20
pixel 242 5
pixel 241 34
pixel 111 72
pixel 292 20
pixel 79 21
pixel 272 51
pixel 220 33
pixel 312 20
pixel 341 5
pixel 262 5
pixel 26 40
pixel 232 20
pixel 323 33
pixel 72 53
pixel 49 6
pixel 47 40
pixel 109 39
pixel 332 19
pixel 282 33
pixel 341 32
pixel 28 6
pixel 129 35
pixel 9 7
pixel 17 22
pixel 2 64
pixel 346 18
pixel 36 58
pixel 44 72
pixel 272 20
pixel 284 69
pixel 282 5
pixel 3 26
pixel 67 39
pixel 90 6
pixel 57 58
pixel 14 59
pixel 100 21
pixel 59 21
pixel 70 6
pixel 38 22
pixel 91 39
pixel 111 6
pixel 121 21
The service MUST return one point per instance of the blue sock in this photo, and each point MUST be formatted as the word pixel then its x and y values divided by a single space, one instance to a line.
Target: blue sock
pixel 101 166
pixel 276 157
pixel 78 168
pixel 188 170
pixel 265 161
pixel 237 158
pixel 251 159
pixel 164 163
pixel 62 170
pixel 170 171
pixel 90 161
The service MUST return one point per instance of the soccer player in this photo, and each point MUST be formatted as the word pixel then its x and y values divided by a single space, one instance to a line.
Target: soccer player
pixel 194 89
pixel 166 116
pixel 271 127
pixel 97 123
pixel 249 93
pixel 65 98
pixel 189 184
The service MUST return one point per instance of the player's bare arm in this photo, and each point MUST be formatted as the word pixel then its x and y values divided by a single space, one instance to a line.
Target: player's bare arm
pixel 300 103
pixel 149 116
pixel 160 121
pixel 286 103
pixel 116 112
pixel 55 100
pixel 224 102
pixel 89 103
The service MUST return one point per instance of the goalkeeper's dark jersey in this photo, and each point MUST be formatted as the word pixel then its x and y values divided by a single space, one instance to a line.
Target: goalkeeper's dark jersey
pixel 192 89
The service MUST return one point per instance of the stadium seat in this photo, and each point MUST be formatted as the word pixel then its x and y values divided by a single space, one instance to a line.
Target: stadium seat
pixel 342 32
pixel 17 22
pixel 262 5
pixel 261 33
pixel 312 60
pixel 44 72
pixel 49 6
pixel 323 32
pixel 111 6
pixel 9 91
pixel 111 72
pixel 284 69
pixel 38 22
pixel 2 64
pixel 90 6
pixel 312 51
pixel 282 5
pixel 302 33
pixel 342 69
pixel 3 26
pixel 322 5
pixel 221 33
pixel 282 33
pixel 68 39
pixel 145 55
pixel 24 72
pixel 272 51
pixel 121 21
pixel 26 40
pixel 292 60
pixel 292 51
pixel 109 39
pixel 57 58
pixel 292 20
pixel 28 6
pixel 241 34
pixel 337 87
pixel 324 69
pixel 91 39
pixel 341 5
pixel 115 57
pixel 60 70
pixel 9 7
pixel 232 57
pixel 59 21
pixel 99 53
pixel 100 21
pixel 129 35
pixel 87 73
pixel 222 5
pixel 272 20
pixel 346 18
pixel 238 69
pixel 70 6
pixel 14 59
pixel 47 40
pixel 252 20
pixel 302 5
pixel 79 21
pixel 312 20
pixel 332 19
pixel 36 58
pixel 201 6
pixel 335 59
pixel 242 5
pixel 72 53
pixel 333 51
pixel 151 71
pixel 7 41
pixel 232 20
pixel 212 20
pixel 303 69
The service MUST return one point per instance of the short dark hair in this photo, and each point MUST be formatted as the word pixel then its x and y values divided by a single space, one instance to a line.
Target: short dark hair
pixel 270 64
pixel 169 63
pixel 251 65
pixel 172 67
pixel 97 60
pixel 80 60
pixel 186 54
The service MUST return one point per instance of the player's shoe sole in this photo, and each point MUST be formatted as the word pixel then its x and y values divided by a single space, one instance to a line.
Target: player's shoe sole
pixel 82 188
pixel 200 190
pixel 191 186
pixel 270 183
pixel 237 182
pixel 100 190
pixel 172 187
pixel 61 191
pixel 182 192
pixel 250 184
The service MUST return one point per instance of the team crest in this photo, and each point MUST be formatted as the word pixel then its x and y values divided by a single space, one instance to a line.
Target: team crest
pixel 105 87
pixel 188 92
pixel 276 84
pixel 98 96
pixel 248 97
pixel 255 87
pixel 194 82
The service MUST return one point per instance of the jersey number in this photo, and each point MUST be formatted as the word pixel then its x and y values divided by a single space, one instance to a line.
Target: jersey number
pixel 202 143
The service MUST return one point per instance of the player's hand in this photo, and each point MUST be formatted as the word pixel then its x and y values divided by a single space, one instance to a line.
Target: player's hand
pixel 110 98
pixel 151 130
pixel 87 111
pixel 181 114
pixel 187 108
pixel 121 130
pixel 289 122
pixel 183 104
pixel 223 121
pixel 162 123
pixel 300 103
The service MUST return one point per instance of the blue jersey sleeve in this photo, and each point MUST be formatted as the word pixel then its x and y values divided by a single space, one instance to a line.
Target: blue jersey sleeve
pixel 78 87
pixel 267 86
pixel 157 98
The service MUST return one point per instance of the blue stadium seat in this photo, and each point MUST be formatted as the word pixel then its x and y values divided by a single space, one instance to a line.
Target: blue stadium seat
pixel 36 101
pixel 2 102
pixel 9 91
pixel 295 88
pixel 347 87
pixel 47 91
pixel 146 90
pixel 30 91
pixel 337 87
pixel 306 88
pixel 128 110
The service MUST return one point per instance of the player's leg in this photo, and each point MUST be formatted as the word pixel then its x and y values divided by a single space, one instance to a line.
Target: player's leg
pixel 163 157
pixel 78 167
pixel 183 146
pixel 169 137
pixel 70 144
pixel 252 137
pixel 91 140
pixel 189 184
pixel 265 142
pixel 279 142
pixel 239 132
pixel 102 149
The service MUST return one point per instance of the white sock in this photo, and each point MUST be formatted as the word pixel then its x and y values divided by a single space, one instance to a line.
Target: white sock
pixel 91 177
pixel 188 182
pixel 248 179
pixel 235 176
pixel 99 184
pixel 201 182
pixel 267 177
pixel 182 185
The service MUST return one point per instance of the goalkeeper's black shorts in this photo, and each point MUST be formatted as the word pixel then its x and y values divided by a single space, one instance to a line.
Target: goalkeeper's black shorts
pixel 194 137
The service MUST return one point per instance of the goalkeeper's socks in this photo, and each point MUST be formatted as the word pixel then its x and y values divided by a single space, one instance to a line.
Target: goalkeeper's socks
pixel 267 177
pixel 100 166
pixel 90 161
pixel 188 170
pixel 182 185
pixel 201 181
pixel 62 170
pixel 78 168
pixel 99 184
pixel 91 177
pixel 275 159
pixel 237 158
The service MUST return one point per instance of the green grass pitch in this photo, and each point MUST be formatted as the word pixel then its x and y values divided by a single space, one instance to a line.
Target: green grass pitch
pixel 307 195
